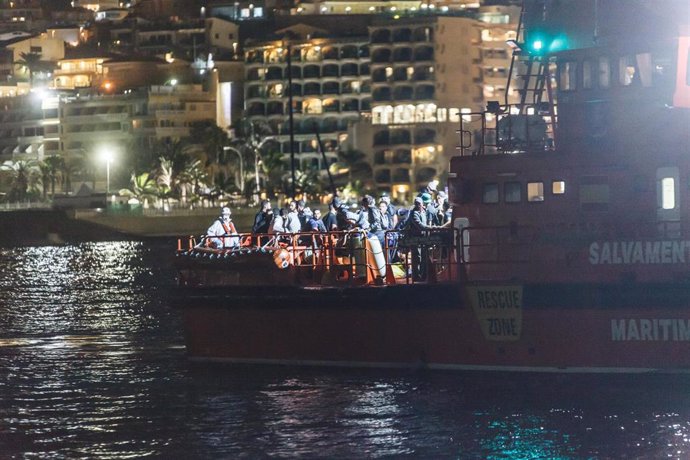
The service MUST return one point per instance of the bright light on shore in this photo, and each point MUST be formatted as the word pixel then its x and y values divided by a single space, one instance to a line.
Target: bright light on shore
pixel 106 154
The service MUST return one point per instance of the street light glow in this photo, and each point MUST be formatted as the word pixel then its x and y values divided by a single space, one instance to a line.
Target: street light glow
pixel 106 154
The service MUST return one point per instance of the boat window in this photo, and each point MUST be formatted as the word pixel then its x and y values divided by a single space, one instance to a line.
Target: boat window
pixel 535 191
pixel 558 187
pixel 594 193
pixel 627 71
pixel 604 72
pixel 644 65
pixel 568 76
pixel 668 193
pixel 587 74
pixel 512 192
pixel 490 193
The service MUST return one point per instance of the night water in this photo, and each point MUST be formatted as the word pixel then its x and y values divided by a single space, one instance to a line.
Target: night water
pixel 92 364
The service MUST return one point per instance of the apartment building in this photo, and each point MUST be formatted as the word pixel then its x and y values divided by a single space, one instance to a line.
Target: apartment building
pixel 174 108
pixel 424 73
pixel 330 89
pixel 356 7
pixel 48 48
pixel 88 121
pixel 28 124
pixel 98 5
pixel 497 25
pixel 80 68
pixel 21 15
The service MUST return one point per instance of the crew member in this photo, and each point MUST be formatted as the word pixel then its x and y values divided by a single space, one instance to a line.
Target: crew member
pixel 222 233
pixel 418 226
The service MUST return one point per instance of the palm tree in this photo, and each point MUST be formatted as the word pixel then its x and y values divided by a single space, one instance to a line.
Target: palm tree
pixel 353 162
pixel 51 169
pixel 192 178
pixel 77 164
pixel 144 189
pixel 308 182
pixel 31 62
pixel 255 141
pixel 273 170
pixel 24 176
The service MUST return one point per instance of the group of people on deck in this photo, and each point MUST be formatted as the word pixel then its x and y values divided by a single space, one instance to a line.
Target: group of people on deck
pixel 430 210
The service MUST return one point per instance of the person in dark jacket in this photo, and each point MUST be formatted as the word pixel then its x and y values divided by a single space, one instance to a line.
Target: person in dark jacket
pixel 263 218
pixel 329 220
pixel 418 225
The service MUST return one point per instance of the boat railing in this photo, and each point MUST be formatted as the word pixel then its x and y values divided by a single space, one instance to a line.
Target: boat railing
pixel 510 245
pixel 509 128
pixel 343 257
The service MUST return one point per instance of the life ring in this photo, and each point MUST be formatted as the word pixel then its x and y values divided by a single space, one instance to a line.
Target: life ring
pixel 281 257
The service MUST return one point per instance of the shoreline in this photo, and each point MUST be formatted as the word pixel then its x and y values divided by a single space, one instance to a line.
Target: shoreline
pixel 47 227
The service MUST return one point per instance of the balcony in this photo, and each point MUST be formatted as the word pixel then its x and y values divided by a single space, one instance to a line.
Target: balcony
pixel 402 35
pixel 424 53
pixel 381 36
pixel 402 54
pixel 380 56
pixel 330 70
pixel 330 87
pixel 311 71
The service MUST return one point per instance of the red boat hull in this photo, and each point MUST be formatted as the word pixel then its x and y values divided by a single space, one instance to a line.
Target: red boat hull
pixel 397 327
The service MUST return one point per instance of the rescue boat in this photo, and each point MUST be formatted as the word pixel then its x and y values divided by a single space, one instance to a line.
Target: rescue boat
pixel 570 242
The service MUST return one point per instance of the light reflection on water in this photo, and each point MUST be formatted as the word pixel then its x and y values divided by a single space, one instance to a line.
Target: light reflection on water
pixel 92 365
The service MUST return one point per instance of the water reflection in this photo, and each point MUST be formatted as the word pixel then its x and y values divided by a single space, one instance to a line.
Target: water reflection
pixel 92 365
pixel 91 286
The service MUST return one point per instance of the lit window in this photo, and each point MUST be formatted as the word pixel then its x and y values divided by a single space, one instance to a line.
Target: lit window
pixel 490 193
pixel 535 191
pixel 604 72
pixel 512 192
pixel 558 187
pixel 668 193
pixel 626 71
pixel 644 65
pixel 454 115
pixel 587 74
pixel 568 76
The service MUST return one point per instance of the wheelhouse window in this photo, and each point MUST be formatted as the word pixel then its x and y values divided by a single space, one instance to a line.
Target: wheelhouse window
pixel 594 193
pixel 587 74
pixel 604 72
pixel 512 192
pixel 644 66
pixel 626 71
pixel 535 191
pixel 668 193
pixel 568 76
pixel 490 193
pixel 558 187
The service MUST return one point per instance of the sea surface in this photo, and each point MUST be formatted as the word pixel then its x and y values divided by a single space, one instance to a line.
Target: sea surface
pixel 93 365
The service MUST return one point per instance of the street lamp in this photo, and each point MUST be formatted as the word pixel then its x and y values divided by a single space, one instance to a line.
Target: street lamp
pixel 107 156
pixel 239 154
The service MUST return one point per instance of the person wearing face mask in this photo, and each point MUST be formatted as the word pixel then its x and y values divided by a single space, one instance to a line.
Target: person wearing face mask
pixel 222 232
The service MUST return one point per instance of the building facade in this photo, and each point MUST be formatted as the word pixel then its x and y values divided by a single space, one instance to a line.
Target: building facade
pixel 424 73
pixel 330 89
